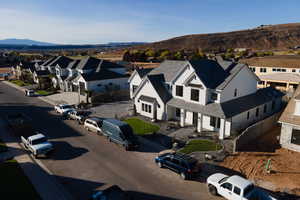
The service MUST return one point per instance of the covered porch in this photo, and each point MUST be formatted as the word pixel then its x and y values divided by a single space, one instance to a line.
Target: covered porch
pixel 191 114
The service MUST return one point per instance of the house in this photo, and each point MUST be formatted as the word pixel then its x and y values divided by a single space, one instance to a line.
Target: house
pixel 25 68
pixel 136 79
pixel 290 123
pixel 280 72
pixel 40 74
pixel 100 75
pixel 218 96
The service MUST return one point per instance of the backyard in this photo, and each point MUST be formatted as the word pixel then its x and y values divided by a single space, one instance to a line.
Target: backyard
pixel 200 145
pixel 15 185
pixel 141 127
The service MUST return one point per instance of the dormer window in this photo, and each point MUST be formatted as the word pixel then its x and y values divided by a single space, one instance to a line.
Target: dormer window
pixel 235 92
pixel 214 96
pixel 179 90
pixel 194 95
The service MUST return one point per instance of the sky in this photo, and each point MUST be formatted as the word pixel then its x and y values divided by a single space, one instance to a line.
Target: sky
pixel 102 21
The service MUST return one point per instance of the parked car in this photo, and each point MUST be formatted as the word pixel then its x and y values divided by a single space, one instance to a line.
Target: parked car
pixel 235 188
pixel 62 108
pixel 186 166
pixel 120 133
pixel 111 193
pixel 37 144
pixel 79 116
pixel 93 124
pixel 29 93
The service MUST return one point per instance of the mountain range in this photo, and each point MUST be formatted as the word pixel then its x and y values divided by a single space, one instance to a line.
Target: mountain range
pixel 14 41
pixel 264 37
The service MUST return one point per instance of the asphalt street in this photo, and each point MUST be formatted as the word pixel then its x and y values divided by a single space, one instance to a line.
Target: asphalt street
pixel 84 162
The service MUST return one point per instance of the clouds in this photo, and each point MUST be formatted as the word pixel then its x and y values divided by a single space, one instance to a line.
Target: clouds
pixel 26 24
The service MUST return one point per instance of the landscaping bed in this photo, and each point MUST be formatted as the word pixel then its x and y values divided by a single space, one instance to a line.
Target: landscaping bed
pixel 44 92
pixel 141 127
pixel 14 183
pixel 200 145
pixel 19 83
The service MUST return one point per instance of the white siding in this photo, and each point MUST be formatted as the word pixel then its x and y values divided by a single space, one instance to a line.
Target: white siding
pixel 245 84
pixel 149 91
pixel 135 81
pixel 99 85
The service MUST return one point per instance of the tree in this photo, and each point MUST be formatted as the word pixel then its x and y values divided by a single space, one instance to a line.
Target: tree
pixel 126 56
pixel 150 53
pixel 165 54
pixel 179 55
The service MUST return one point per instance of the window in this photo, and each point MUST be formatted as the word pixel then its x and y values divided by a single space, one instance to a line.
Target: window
pixel 194 94
pixel 278 70
pixel 295 137
pixel 218 122
pixel 134 87
pixel 263 70
pixel 179 90
pixel 235 92
pixel 283 70
pixel 261 82
pixel 227 186
pixel 212 121
pixel 248 115
pixel 257 112
pixel 143 107
pixel 237 190
pixel 293 70
pixel 146 108
pixel 273 105
pixel 253 69
pixel 274 70
pixel 177 112
pixel 265 108
pixel 214 96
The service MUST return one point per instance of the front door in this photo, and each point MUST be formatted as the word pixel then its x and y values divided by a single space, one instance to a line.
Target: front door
pixel 195 118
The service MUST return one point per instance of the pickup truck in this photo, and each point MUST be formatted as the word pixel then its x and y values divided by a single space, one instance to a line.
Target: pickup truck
pixel 62 108
pixel 37 144
pixel 235 188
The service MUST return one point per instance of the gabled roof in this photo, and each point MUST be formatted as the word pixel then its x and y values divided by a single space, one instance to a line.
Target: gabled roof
pixel 230 108
pixel 158 82
pixel 88 63
pixel 104 64
pixel 102 75
pixel 143 72
pixel 62 61
pixel 48 61
pixel 73 64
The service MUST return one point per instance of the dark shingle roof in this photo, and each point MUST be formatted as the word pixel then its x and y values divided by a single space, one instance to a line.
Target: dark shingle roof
pixel 158 81
pixel 143 72
pixel 42 72
pixel 62 61
pixel 88 63
pixel 73 64
pixel 102 75
pixel 230 108
pixel 104 64
pixel 48 61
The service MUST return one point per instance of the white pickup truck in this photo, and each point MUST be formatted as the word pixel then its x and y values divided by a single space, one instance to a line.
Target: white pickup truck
pixel 235 188
pixel 37 144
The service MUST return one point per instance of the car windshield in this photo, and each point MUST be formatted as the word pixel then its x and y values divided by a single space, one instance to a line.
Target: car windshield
pixel 248 190
pixel 223 180
pixel 127 131
pixel 66 106
pixel 38 141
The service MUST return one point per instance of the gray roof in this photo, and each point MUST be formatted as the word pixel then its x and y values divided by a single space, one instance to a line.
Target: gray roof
pixel 213 74
pixel 102 75
pixel 230 108
pixel 48 61
pixel 62 61
pixel 88 63
pixel 169 68
pixel 147 99
pixel 158 82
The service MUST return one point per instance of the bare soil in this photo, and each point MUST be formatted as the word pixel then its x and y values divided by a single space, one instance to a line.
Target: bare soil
pixel 285 164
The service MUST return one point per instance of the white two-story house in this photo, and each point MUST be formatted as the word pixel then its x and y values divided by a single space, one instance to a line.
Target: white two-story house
pixel 212 96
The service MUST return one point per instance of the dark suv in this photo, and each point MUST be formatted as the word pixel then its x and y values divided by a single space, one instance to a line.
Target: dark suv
pixel 184 165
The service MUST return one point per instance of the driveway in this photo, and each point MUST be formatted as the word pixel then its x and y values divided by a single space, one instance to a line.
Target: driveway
pixel 110 110
pixel 84 162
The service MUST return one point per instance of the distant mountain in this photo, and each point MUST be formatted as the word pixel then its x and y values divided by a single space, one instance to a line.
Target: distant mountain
pixel 14 41
pixel 264 37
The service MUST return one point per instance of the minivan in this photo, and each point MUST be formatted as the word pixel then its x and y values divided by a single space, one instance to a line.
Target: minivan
pixel 120 133
pixel 93 124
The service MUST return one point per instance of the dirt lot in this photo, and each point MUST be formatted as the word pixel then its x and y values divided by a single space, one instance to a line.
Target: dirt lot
pixel 285 164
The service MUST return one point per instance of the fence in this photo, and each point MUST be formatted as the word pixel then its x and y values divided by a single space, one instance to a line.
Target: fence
pixel 254 131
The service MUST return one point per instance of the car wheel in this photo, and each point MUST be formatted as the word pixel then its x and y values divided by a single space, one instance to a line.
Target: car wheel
pixel 109 139
pixel 160 165
pixel 183 176
pixel 212 190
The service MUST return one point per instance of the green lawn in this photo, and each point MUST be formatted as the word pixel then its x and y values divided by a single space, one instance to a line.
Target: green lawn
pixel 19 83
pixel 200 145
pixel 141 127
pixel 44 92
pixel 3 147
pixel 14 184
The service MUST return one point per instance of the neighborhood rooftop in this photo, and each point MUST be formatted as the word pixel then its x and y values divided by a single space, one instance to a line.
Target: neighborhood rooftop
pixel 286 61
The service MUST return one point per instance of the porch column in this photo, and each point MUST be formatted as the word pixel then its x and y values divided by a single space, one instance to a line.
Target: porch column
pixel 182 117
pixel 199 124
pixel 287 86
pixel 265 83
pixel 222 129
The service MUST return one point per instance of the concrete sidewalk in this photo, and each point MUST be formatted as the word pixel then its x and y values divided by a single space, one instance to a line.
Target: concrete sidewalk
pixel 41 178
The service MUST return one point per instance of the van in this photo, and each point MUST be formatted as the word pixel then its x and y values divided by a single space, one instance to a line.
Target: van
pixel 93 124
pixel 120 133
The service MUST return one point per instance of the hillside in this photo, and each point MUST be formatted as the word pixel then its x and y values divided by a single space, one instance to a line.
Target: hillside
pixel 280 36
pixel 14 41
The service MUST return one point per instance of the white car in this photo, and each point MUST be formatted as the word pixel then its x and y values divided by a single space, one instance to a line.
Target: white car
pixel 62 108
pixel 93 124
pixel 235 188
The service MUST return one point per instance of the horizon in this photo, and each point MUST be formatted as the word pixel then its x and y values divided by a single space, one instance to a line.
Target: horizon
pixel 95 22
